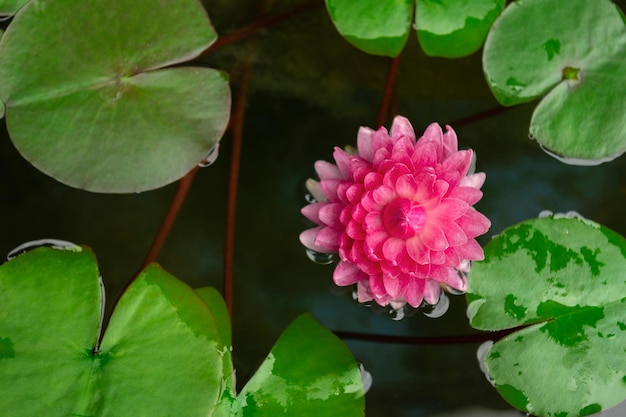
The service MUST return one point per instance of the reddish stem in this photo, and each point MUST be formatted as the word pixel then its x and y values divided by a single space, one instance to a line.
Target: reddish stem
pixel 258 25
pixel 236 125
pixel 480 116
pixel 181 194
pixel 415 340
pixel 388 94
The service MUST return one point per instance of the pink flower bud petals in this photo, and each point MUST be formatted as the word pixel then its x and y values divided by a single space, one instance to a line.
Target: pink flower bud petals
pixel 329 188
pixel 368 202
pixel 459 163
pixel 451 209
pixel 307 238
pixel 364 143
pixel 432 292
pixel 474 223
pixel 402 127
pixel 354 193
pixel 455 234
pixel 327 171
pixel 346 215
pixel 418 251
pixel 364 293
pixel 452 257
pixel 358 213
pixel 470 195
pixel 347 273
pixel 450 142
pixel 329 214
pixel 424 155
pixel 450 277
pixel 440 188
pixel 374 245
pixel 311 212
pixel 328 238
pixel 406 186
pixel 400 214
pixel 381 140
pixel 383 195
pixel 394 250
pixel 372 180
pixel 374 223
pixel 414 293
pixel 433 237
pixel 343 162
pixel 434 135
pixel 355 230
pixel 345 247
pixel 437 257
pixel 403 148
pixel 471 250
pixel 377 286
pixel 316 191
pixel 475 180
pixel 394 286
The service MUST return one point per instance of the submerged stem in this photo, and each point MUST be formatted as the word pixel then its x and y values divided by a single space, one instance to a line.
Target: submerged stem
pixel 386 101
pixel 236 125
pixel 415 340
pixel 177 202
pixel 258 25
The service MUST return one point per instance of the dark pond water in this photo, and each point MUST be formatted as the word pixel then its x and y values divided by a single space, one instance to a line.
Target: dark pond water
pixel 311 91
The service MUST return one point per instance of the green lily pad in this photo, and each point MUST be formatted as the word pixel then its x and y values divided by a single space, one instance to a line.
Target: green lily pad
pixel 453 28
pixel 166 350
pixel 10 7
pixel 158 356
pixel 573 55
pixel 379 27
pixel 562 280
pixel 89 103
pixel 308 373
pixel 214 301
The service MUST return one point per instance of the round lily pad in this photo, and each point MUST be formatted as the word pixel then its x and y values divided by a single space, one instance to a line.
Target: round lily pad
pixel 10 7
pixel 454 28
pixel 559 282
pixel 379 27
pixel 159 355
pixel 573 54
pixel 89 102
pixel 309 372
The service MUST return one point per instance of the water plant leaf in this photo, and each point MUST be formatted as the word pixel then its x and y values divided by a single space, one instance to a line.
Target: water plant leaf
pixel 453 28
pixel 89 101
pixel 214 301
pixel 562 281
pixel 379 27
pixel 10 7
pixel 165 351
pixel 158 356
pixel 574 55
pixel 308 373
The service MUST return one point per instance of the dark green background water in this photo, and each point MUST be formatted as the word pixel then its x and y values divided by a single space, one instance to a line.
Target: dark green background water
pixel 311 91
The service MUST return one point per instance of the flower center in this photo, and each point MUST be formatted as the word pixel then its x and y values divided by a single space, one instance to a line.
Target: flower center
pixel 403 218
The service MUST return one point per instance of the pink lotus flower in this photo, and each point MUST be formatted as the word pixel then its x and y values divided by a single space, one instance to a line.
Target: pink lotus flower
pixel 399 213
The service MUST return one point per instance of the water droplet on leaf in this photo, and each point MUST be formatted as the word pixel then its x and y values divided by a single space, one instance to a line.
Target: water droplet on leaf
pixel 366 377
pixel 397 314
pixel 481 355
pixel 320 258
pixel 51 243
pixel 440 308
pixel 211 156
